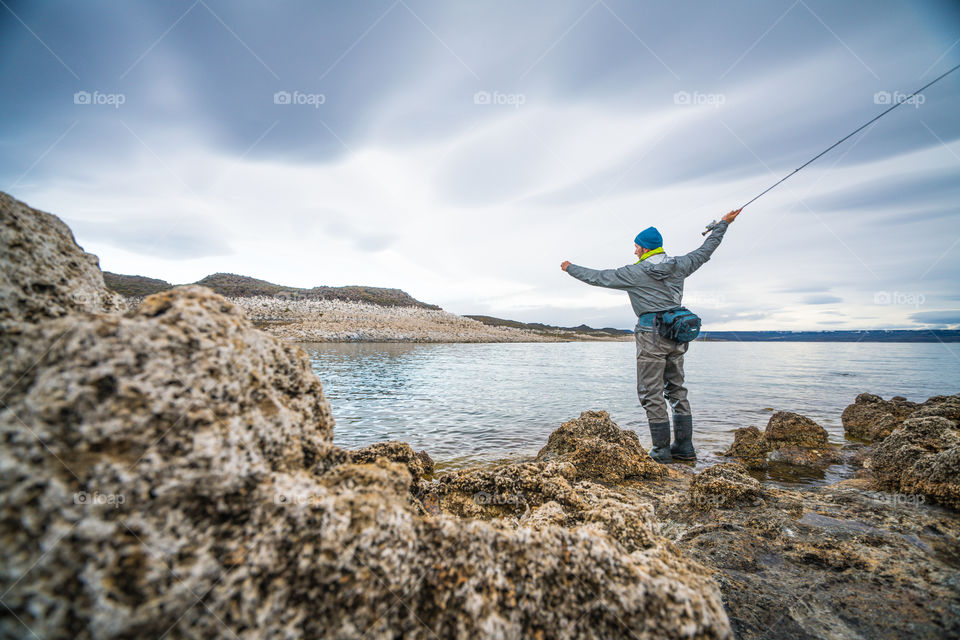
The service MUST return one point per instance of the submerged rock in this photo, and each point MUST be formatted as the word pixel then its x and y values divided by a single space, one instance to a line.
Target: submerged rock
pixel 169 472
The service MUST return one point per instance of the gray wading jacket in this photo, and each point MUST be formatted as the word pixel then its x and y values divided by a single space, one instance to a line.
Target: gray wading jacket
pixel 654 284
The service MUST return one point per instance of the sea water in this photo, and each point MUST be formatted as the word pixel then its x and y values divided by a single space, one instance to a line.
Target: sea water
pixel 474 403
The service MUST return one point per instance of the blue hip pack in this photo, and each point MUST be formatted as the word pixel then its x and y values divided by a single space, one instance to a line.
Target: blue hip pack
pixel 679 325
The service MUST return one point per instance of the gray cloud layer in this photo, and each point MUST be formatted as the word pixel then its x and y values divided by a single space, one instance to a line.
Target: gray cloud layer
pixel 603 118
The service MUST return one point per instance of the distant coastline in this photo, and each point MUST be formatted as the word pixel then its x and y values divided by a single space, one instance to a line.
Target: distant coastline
pixel 873 335
pixel 357 313
pixel 376 314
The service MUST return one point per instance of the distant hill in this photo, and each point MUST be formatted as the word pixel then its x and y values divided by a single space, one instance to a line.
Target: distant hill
pixel 134 286
pixel 236 286
pixel 551 329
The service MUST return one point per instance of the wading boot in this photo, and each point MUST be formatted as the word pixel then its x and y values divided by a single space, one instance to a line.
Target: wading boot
pixel 682 448
pixel 660 434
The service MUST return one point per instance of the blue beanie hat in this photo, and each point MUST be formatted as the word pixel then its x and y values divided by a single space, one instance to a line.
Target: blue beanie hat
pixel 649 238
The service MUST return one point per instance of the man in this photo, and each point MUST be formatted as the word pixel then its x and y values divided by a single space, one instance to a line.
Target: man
pixel 655 283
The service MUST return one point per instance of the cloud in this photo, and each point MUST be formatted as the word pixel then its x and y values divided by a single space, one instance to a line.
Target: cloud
pixel 166 237
pixel 931 187
pixel 822 299
pixel 369 240
pixel 945 319
pixel 401 179
pixel 811 287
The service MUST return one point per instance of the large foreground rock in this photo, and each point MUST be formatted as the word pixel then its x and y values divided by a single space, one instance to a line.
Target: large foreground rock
pixel 171 469
pixel 169 472
pixel 43 272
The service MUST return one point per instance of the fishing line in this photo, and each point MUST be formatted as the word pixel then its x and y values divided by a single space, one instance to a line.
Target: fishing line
pixel 844 138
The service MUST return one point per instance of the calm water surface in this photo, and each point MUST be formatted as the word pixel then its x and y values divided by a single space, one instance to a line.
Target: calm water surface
pixel 470 403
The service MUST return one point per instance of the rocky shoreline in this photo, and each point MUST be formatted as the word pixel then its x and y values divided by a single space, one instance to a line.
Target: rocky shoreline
pixel 306 320
pixel 336 321
pixel 168 471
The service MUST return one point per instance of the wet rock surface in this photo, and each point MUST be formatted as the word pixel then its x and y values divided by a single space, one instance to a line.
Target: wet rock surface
pixel 169 472
pixel 843 560
pixel 836 561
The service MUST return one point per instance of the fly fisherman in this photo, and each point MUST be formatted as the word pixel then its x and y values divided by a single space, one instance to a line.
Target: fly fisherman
pixel 655 284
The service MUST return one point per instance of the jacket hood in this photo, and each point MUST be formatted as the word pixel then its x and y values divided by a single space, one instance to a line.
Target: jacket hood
pixel 660 269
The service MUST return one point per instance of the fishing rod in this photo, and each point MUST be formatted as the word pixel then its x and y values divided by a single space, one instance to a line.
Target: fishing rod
pixel 712 225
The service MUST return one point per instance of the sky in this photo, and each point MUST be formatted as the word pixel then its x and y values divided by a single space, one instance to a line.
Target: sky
pixel 461 151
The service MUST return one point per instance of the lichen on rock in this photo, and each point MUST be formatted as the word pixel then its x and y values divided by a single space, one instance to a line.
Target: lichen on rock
pixel 725 485
pixel 789 438
pixel 749 447
pixel 43 272
pixel 921 456
pixel 599 450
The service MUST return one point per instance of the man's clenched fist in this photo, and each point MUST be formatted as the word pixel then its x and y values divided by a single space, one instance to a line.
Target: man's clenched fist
pixel 565 264
pixel 730 217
